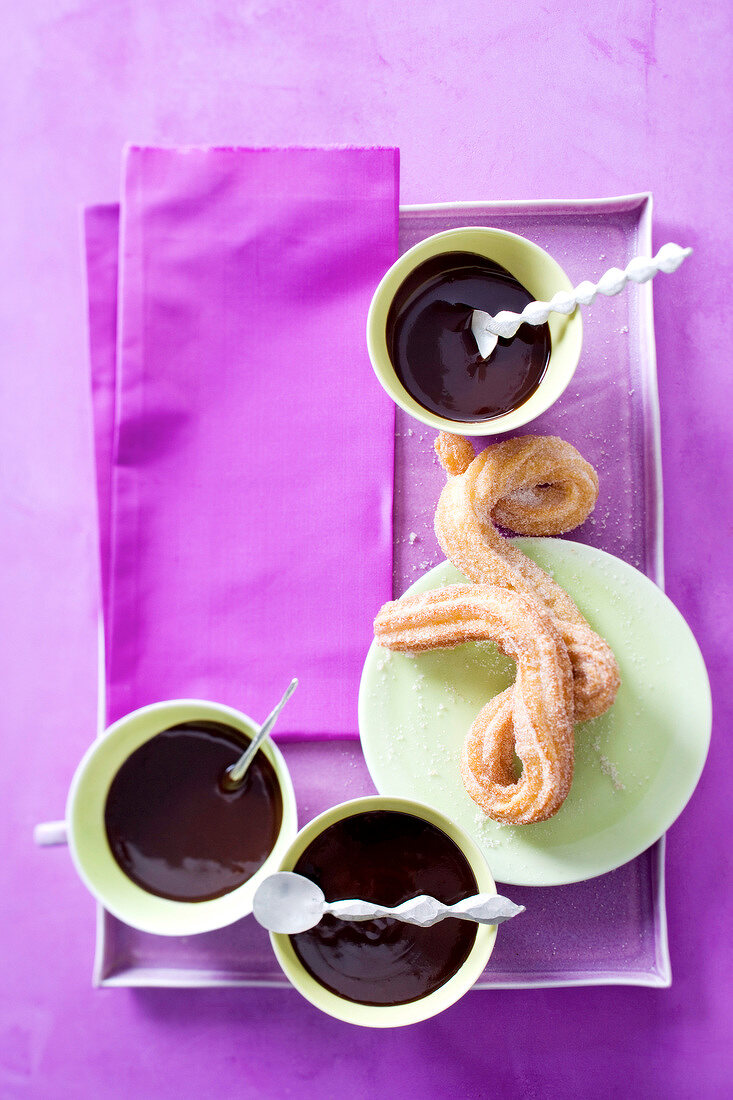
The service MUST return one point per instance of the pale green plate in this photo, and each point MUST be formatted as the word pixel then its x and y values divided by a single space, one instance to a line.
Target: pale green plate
pixel 635 767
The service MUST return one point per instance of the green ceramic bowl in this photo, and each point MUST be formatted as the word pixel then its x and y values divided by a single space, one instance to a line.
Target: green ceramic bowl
pixel 535 269
pixel 87 837
pixel 389 1015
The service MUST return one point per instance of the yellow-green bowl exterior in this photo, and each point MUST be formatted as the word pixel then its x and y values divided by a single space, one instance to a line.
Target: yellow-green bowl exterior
pixel 435 1002
pixel 87 835
pixel 535 269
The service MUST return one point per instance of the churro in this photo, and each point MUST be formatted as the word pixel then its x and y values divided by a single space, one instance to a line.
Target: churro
pixel 533 718
pixel 533 485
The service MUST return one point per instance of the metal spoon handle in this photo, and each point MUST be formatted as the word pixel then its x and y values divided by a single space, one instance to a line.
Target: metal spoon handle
pixel 237 771
pixel 426 911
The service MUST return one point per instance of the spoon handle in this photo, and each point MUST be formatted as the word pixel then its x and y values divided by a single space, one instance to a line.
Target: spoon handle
pixel 426 911
pixel 639 270
pixel 236 773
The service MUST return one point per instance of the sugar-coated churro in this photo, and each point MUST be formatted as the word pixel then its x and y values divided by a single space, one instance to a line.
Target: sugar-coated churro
pixel 533 718
pixel 533 485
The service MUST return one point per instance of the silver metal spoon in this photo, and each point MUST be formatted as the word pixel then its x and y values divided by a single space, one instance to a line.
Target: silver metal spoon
pixel 235 773
pixel 289 903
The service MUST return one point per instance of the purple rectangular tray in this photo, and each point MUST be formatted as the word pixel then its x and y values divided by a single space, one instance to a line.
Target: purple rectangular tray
pixel 610 929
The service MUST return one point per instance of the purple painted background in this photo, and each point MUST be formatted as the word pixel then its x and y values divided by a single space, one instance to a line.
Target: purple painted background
pixel 633 96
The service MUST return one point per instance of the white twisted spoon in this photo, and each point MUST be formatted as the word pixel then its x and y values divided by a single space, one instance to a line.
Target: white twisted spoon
pixel 487 329
pixel 289 903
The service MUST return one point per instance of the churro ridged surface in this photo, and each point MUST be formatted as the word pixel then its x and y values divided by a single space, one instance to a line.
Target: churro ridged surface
pixel 533 718
pixel 533 485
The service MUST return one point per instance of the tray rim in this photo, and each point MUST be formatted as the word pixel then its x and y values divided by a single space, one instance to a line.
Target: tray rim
pixel 629 201
pixel 660 976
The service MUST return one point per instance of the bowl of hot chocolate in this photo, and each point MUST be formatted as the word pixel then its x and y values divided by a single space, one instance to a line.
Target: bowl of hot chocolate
pixel 385 972
pixel 156 832
pixel 421 332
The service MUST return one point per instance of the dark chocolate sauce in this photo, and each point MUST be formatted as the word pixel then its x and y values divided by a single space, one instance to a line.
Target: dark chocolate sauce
pixel 434 353
pixel 385 857
pixel 175 831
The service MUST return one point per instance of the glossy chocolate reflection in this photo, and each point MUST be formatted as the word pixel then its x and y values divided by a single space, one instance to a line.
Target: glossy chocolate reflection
pixel 434 353
pixel 385 857
pixel 175 831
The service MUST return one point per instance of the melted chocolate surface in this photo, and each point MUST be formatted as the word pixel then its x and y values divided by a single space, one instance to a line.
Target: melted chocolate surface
pixel 385 857
pixel 434 353
pixel 172 828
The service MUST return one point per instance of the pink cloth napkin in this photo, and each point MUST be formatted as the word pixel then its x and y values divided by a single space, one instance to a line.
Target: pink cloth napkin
pixel 244 448
pixel 101 234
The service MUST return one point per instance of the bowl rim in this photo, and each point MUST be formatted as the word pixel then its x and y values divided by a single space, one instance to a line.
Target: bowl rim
pixel 388 1016
pixel 566 331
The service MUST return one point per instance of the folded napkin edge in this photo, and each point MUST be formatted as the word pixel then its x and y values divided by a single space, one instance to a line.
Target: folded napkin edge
pixel 142 147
